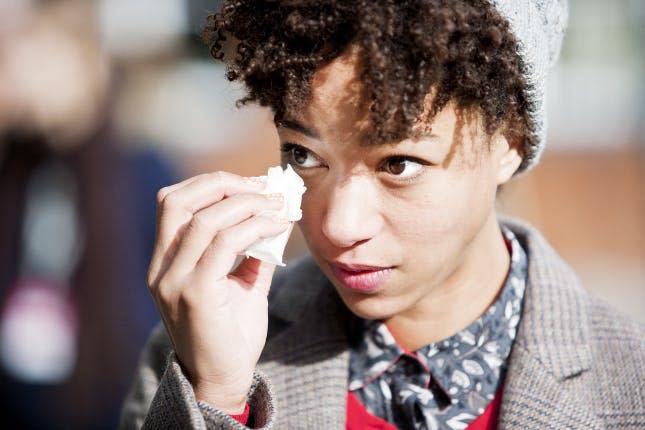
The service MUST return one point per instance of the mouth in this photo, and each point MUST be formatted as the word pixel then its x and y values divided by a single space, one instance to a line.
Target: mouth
pixel 360 277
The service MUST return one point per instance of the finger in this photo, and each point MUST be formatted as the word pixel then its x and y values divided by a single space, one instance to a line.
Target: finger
pixel 218 259
pixel 207 189
pixel 176 208
pixel 163 192
pixel 205 225
pixel 252 271
pixel 161 196
pixel 182 202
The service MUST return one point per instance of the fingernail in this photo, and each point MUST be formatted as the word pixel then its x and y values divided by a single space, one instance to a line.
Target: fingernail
pixel 275 197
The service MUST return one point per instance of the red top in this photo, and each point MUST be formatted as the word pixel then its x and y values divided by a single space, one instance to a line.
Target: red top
pixel 243 418
pixel 359 419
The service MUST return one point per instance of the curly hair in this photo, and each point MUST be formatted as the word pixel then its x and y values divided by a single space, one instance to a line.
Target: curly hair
pixel 462 50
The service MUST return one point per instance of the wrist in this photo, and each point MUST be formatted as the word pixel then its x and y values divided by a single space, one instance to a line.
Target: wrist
pixel 230 400
pixel 244 417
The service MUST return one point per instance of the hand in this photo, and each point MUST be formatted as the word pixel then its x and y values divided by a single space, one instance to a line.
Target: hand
pixel 216 317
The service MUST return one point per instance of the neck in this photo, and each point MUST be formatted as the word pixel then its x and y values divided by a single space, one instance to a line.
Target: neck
pixel 462 298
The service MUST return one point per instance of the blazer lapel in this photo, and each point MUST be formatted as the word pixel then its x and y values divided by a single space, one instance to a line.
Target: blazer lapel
pixel 534 398
pixel 547 383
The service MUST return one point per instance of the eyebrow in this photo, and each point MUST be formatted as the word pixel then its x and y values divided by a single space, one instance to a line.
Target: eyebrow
pixel 296 126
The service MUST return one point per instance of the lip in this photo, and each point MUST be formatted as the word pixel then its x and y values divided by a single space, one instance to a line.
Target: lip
pixel 360 277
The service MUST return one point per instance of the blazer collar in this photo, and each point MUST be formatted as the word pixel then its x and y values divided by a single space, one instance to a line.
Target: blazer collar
pixel 533 397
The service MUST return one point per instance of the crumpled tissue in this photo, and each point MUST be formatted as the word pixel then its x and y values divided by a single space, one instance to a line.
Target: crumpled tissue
pixel 292 187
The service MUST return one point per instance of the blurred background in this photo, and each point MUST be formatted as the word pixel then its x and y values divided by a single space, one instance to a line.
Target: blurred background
pixel 103 102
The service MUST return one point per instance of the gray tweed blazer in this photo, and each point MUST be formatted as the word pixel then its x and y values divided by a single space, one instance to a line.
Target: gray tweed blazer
pixel 575 363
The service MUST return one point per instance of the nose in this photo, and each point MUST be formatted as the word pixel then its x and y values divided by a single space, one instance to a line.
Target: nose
pixel 352 215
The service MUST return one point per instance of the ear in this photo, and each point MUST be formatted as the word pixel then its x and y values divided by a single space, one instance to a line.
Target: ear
pixel 507 158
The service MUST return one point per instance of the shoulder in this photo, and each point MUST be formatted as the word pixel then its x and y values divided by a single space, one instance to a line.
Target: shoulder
pixel 617 340
pixel 571 333
pixel 305 310
pixel 608 322
pixel 555 286
pixel 617 345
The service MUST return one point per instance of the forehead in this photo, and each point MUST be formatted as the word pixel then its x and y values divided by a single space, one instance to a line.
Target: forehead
pixel 337 111
pixel 337 96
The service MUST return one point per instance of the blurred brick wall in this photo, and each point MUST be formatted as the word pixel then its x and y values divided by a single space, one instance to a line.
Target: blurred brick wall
pixel 591 207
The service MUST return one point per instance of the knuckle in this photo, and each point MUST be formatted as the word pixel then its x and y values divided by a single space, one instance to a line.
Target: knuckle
pixel 171 199
pixel 262 200
pixel 202 177
pixel 164 293
pixel 252 204
pixel 188 298
pixel 176 203
pixel 161 195
pixel 199 222
pixel 218 176
pixel 151 280
pixel 223 240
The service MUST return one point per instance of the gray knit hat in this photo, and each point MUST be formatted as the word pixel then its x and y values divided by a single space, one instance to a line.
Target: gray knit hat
pixel 539 27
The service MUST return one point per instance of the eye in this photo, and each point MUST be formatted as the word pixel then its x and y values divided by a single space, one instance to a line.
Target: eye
pixel 402 167
pixel 299 156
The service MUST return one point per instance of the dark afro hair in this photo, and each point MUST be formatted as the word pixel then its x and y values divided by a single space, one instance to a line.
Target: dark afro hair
pixel 462 49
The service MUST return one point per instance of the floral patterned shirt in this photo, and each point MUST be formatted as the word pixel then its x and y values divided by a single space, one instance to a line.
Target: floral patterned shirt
pixel 447 384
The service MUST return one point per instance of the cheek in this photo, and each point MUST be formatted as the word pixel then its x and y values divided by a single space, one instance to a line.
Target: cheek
pixel 312 210
pixel 442 213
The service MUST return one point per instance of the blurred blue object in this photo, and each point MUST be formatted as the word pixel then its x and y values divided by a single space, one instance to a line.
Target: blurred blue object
pixel 116 194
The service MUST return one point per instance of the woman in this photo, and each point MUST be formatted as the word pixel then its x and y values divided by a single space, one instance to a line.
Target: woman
pixel 418 307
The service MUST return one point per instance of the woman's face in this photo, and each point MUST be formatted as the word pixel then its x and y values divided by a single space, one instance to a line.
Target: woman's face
pixel 390 224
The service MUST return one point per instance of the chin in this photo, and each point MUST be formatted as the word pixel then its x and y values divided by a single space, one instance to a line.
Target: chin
pixel 369 307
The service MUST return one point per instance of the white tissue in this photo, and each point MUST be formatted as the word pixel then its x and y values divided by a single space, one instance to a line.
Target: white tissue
pixel 292 187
